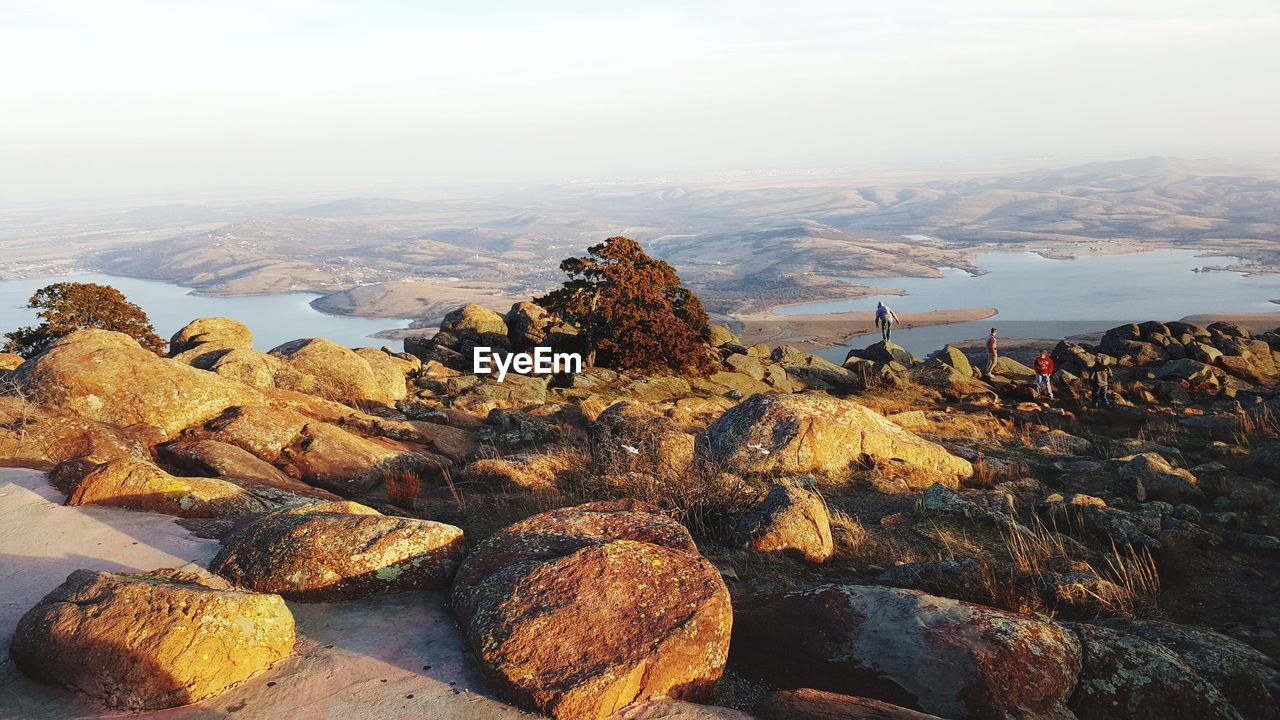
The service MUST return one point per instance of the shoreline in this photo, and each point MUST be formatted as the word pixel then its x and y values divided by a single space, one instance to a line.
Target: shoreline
pixel 808 332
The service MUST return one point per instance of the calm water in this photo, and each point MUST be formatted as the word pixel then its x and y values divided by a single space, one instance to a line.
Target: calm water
pixel 1039 297
pixel 274 319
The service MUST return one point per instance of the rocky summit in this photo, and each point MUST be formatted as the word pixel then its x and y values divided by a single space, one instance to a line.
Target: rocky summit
pixel 767 535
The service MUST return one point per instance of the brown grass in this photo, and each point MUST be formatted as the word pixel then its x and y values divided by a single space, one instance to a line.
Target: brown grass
pixel 403 487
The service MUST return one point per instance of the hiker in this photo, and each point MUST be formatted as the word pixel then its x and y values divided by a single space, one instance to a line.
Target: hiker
pixel 885 320
pixel 1044 369
pixel 992 354
pixel 1101 379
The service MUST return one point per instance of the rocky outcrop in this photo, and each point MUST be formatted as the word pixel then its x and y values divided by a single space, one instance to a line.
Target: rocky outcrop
pixel 340 374
pixel 580 612
pixel 151 640
pixel 217 331
pixel 138 484
pixel 936 655
pixel 1248 679
pixel 210 458
pixel 783 434
pixel 809 704
pixel 790 520
pixel 1152 477
pixel 628 436
pixel 108 377
pixel 813 371
pixel 528 325
pixel 1124 677
pixel 339 551
pixel 883 352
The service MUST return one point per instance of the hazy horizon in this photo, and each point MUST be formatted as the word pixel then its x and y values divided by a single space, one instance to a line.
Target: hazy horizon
pixel 152 98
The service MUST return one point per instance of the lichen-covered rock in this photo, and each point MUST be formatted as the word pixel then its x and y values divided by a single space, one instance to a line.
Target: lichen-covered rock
pixel 813 371
pixel 390 372
pixel 210 458
pixel 473 318
pixel 340 374
pixel 329 457
pixel 339 551
pixel 810 704
pixel 668 709
pixel 583 611
pixel 139 485
pixel 1159 479
pixel 106 376
pixel 219 331
pixel 936 655
pixel 790 519
pixel 1248 679
pixel 528 325
pixel 1124 677
pixel 628 436
pixel 152 640
pixel 786 434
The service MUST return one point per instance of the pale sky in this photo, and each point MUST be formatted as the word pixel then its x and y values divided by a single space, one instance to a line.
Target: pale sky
pixel 162 97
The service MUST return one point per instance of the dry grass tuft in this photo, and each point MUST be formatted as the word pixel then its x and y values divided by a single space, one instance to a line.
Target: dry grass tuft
pixel 403 487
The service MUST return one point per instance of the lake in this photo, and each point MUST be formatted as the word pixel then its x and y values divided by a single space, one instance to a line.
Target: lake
pixel 1039 297
pixel 274 319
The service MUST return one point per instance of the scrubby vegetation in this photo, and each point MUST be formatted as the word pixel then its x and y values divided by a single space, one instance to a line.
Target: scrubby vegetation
pixel 65 307
pixel 631 310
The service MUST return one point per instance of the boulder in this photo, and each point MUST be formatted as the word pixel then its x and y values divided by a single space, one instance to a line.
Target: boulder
pixel 340 374
pixel 139 485
pixel 1247 678
pixel 720 336
pixel 750 366
pixel 219 331
pixel 210 458
pixel 940 656
pixel 106 376
pixel 810 704
pixel 258 369
pixel 954 357
pixel 1127 678
pixel 528 325
pixel 628 436
pixel 883 352
pixel 390 372
pixel 814 371
pixel 339 551
pixel 1204 352
pixel 580 612
pixel 262 431
pixel 10 361
pixel 1072 357
pixel 1191 371
pixel 788 434
pixel 329 457
pixel 151 640
pixel 475 319
pixel 515 391
pixel 790 520
pixel 1159 479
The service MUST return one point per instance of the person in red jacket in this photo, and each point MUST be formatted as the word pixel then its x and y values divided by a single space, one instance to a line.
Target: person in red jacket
pixel 1044 368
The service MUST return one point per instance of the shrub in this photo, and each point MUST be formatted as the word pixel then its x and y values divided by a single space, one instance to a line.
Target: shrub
pixel 67 307
pixel 631 310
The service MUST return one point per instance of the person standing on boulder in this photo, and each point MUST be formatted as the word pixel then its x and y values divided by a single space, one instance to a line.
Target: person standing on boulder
pixel 1101 378
pixel 992 354
pixel 1044 369
pixel 885 320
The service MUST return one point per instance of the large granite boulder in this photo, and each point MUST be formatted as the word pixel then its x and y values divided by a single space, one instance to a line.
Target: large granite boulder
pixel 1158 479
pixel 1124 677
pixel 210 458
pixel 217 331
pixel 883 352
pixel 583 611
pixel 1247 678
pixel 629 436
pixel 340 374
pixel 790 519
pixel 138 484
pixel 936 655
pixel 528 325
pixel 788 434
pixel 106 376
pixel 339 551
pixel 151 640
